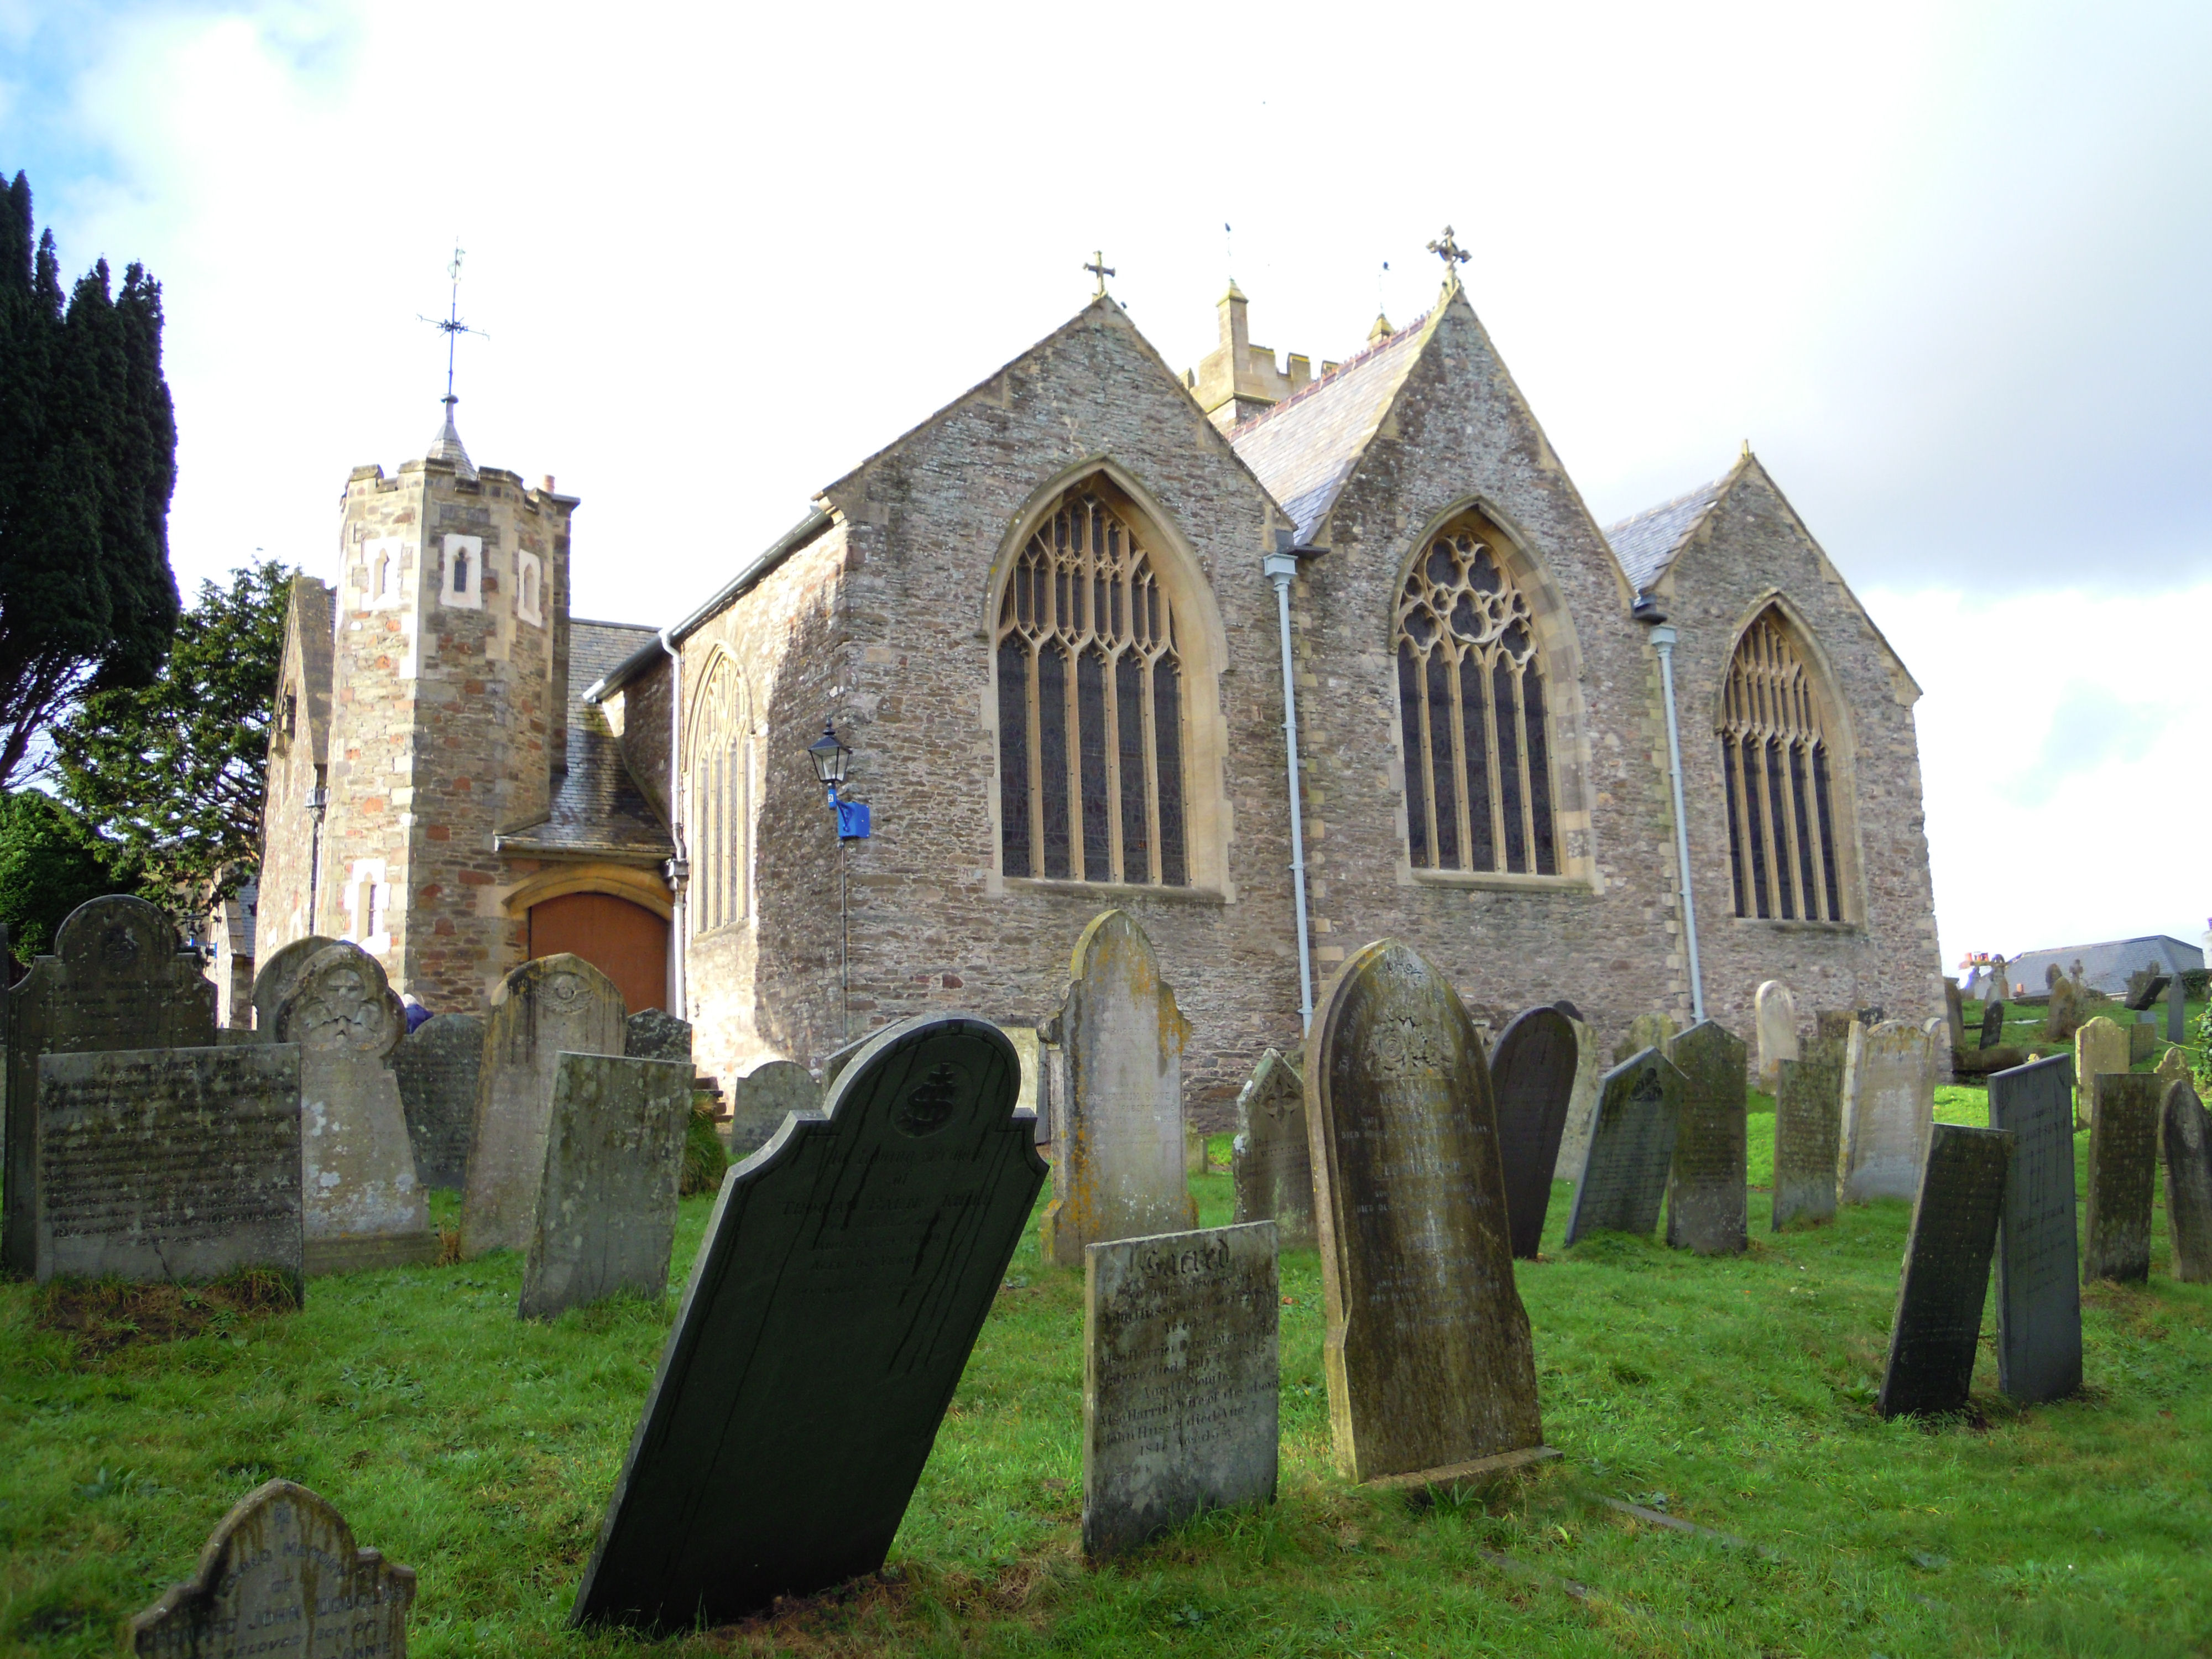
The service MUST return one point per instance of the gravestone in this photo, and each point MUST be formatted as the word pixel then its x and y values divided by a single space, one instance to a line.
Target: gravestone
pixel 843 1278
pixel 1646 1031
pixel 763 1097
pixel 1775 1013
pixel 117 979
pixel 1270 1161
pixel 605 1220
pixel 1194 1149
pixel 2143 987
pixel 842 1057
pixel 281 1578
pixel 656 1034
pixel 1118 1155
pixel 1532 1081
pixel 158 1165
pixel 2063 1017
pixel 1180 1382
pixel 1432 1375
pixel 2186 1132
pixel 1623 1180
pixel 2173 1065
pixel 1808 1120
pixel 2038 1257
pixel 1706 1198
pixel 2124 1135
pixel 2176 1009
pixel 363 1206
pixel 1834 1025
pixel 438 1066
pixel 1954 1015
pixel 2099 1046
pixel 1946 1282
pixel 2143 1040
pixel 1993 1017
pixel 1582 1103
pixel 546 1008
pixel 274 977
pixel 1889 1102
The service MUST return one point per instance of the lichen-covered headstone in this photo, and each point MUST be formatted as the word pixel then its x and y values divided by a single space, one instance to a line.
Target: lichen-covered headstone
pixel 1646 1031
pixel 1431 1372
pixel 273 976
pixel 2124 1135
pixel 281 1579
pixel 2173 1066
pixel 1271 1161
pixel 605 1220
pixel 2063 1017
pixel 1889 1104
pixel 438 1065
pixel 2186 1132
pixel 1775 1010
pixel 1582 1103
pixel 2038 1259
pixel 1532 1083
pixel 2100 1047
pixel 554 1006
pixel 1706 1197
pixel 763 1098
pixel 844 1276
pixel 1118 1165
pixel 1623 1180
pixel 656 1034
pixel 1809 1121
pixel 1181 1380
pixel 1954 1016
pixel 117 979
pixel 2143 1040
pixel 1946 1281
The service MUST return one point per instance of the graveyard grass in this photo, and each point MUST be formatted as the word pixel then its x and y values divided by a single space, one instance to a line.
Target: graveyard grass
pixel 1734 1394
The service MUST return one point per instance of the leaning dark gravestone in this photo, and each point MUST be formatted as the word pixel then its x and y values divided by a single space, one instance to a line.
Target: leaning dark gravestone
pixel 1624 1179
pixel 438 1066
pixel 1808 1123
pixel 281 1576
pixel 844 1276
pixel 605 1219
pixel 2038 1257
pixel 2122 1174
pixel 1946 1282
pixel 1706 1199
pixel 1180 1382
pixel 1271 1160
pixel 763 1098
pixel 1993 1025
pixel 656 1034
pixel 1532 1078
pixel 162 1164
pixel 2187 1139
pixel 117 979
pixel 1431 1376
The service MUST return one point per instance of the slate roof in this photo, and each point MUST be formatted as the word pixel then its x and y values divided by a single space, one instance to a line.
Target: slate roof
pixel 1646 543
pixel 2104 967
pixel 598 811
pixel 1304 447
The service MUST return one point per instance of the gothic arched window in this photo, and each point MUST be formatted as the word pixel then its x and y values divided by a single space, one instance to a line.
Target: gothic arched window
pixel 1090 706
pixel 1777 759
pixel 719 783
pixel 1471 709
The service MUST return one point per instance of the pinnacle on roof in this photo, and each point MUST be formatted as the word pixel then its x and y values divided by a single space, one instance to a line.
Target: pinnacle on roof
pixel 1381 330
pixel 446 446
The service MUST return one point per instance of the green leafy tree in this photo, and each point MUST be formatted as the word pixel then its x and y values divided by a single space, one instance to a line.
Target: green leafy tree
pixel 170 776
pixel 50 863
pixel 87 463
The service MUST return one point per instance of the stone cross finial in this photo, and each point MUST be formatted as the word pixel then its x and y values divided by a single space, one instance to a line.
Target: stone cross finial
pixel 1101 270
pixel 1451 253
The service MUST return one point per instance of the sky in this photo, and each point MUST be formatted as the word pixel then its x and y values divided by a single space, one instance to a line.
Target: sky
pixel 1943 264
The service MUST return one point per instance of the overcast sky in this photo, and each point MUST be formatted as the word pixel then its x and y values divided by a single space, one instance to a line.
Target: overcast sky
pixel 1944 265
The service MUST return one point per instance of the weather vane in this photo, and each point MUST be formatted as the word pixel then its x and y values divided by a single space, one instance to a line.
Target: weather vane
pixel 451 325
pixel 1101 270
pixel 1451 253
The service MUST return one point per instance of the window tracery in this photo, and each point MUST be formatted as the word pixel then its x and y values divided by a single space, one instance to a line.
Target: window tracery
pixel 1776 758
pixel 719 784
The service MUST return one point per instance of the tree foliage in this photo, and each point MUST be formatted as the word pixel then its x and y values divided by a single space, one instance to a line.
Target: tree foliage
pixel 50 863
pixel 87 463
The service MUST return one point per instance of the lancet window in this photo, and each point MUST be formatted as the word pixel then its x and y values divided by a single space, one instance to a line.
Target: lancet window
pixel 1777 762
pixel 1472 712
pixel 1090 706
pixel 719 785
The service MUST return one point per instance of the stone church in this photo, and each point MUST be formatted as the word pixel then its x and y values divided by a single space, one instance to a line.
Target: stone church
pixel 1055 625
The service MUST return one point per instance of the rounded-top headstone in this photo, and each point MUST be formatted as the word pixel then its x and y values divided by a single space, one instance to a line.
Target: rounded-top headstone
pixel 118 936
pixel 1532 1078
pixel 274 977
pixel 341 1000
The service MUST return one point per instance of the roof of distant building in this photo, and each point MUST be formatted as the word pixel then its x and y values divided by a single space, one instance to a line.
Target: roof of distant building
pixel 2105 966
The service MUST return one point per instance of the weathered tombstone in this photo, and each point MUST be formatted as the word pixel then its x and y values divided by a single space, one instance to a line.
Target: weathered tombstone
pixel 117 979
pixel 1118 1153
pixel 1706 1197
pixel 273 976
pixel 1270 1161
pixel 1993 1017
pixel 1946 1282
pixel 2187 1135
pixel 1646 1031
pixel 2173 1065
pixel 2038 1259
pixel 281 1576
pixel 1775 1013
pixel 1623 1180
pixel 1834 1025
pixel 2099 1046
pixel 2063 1017
pixel 605 1220
pixel 1808 1118
pixel 1180 1382
pixel 763 1097
pixel 554 1006
pixel 1582 1103
pixel 438 1066
pixel 843 1278
pixel 364 1207
pixel 1532 1080
pixel 1889 1101
pixel 2123 1134
pixel 842 1057
pixel 159 1164
pixel 1194 1149
pixel 2143 987
pixel 656 1034
pixel 1432 1375
pixel 2143 1040
pixel 1954 1015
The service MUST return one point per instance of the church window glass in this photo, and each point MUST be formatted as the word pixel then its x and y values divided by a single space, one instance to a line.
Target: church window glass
pixel 720 820
pixel 1776 766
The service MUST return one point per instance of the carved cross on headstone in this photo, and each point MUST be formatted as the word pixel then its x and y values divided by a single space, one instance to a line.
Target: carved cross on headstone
pixel 1451 253
pixel 1101 270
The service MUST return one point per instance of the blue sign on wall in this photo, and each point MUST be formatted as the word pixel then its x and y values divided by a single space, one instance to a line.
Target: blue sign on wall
pixel 852 820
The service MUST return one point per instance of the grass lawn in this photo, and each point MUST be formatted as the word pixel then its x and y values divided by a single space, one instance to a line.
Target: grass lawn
pixel 1737 1394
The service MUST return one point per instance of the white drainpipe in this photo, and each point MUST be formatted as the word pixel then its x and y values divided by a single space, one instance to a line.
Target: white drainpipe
pixel 679 867
pixel 1662 641
pixel 1281 567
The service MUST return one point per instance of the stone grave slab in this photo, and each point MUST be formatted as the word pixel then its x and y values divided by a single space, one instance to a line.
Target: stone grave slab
pixel 2099 1046
pixel 1808 1121
pixel 2143 987
pixel 605 1220
pixel 1775 1012
pixel 2187 1138
pixel 2038 1259
pixel 1889 1104
pixel 1646 1031
pixel 842 1057
pixel 282 1578
pixel 1946 1282
pixel 1181 1380
pixel 1118 1166
pixel 2124 1138
pixel 763 1098
pixel 438 1066
pixel 275 974
pixel 1271 1161
pixel 117 979
pixel 1430 1371
pixel 2173 1066
pixel 1623 1180
pixel 1993 1018
pixel 1582 1103
pixel 1532 1083
pixel 169 1163
pixel 656 1034
pixel 554 1006
pixel 2062 1018
pixel 842 1280
pixel 1954 1015
pixel 1706 1197
pixel 2143 1040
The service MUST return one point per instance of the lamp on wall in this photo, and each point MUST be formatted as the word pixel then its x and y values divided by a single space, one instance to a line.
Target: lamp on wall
pixel 830 758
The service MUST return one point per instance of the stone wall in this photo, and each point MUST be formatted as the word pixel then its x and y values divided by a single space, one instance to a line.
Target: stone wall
pixel 288 829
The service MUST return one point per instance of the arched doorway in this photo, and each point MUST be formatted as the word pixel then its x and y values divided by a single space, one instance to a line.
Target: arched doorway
pixel 626 942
